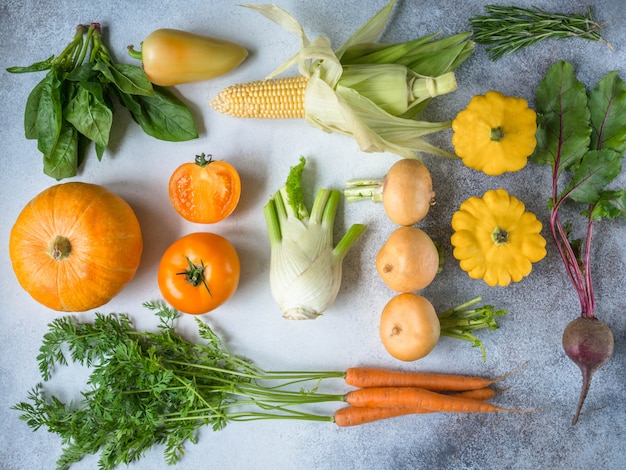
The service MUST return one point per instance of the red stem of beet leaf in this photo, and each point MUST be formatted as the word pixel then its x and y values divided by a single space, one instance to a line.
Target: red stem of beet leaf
pixel 578 267
pixel 579 275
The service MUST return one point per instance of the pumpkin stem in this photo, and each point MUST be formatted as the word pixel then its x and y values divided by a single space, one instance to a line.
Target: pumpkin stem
pixel 497 134
pixel 195 275
pixel 500 236
pixel 60 248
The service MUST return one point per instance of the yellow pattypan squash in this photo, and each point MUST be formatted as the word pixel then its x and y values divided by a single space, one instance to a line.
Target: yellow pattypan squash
pixel 496 239
pixel 495 133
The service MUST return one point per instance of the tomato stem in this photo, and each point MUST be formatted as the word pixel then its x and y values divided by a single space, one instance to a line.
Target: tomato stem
pixel 201 160
pixel 195 275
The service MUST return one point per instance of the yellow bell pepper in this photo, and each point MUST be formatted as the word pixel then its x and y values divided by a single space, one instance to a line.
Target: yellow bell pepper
pixel 495 133
pixel 496 239
pixel 171 57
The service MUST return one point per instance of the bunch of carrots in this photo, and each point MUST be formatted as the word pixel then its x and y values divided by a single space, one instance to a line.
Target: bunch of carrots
pixel 383 394
pixel 158 387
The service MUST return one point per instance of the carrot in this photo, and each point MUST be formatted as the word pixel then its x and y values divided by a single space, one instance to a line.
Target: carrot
pixel 483 394
pixel 375 397
pixel 357 415
pixel 365 377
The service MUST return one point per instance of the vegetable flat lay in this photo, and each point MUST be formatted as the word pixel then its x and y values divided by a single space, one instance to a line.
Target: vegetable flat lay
pixel 438 185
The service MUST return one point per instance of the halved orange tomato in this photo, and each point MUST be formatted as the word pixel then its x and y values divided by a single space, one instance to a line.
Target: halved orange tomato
pixel 205 192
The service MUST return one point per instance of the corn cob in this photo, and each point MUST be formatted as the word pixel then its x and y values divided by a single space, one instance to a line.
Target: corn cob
pixel 266 99
pixel 391 87
pixel 368 90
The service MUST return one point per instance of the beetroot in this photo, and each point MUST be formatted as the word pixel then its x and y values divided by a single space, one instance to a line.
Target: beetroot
pixel 588 342
pixel 583 138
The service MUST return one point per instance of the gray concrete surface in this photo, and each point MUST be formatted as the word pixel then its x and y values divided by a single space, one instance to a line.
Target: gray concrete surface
pixel 138 168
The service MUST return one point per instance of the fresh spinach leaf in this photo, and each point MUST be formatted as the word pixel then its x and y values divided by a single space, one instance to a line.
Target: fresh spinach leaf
pixel 129 102
pixel 84 72
pixel 83 144
pixel 49 114
pixel 62 160
pixel 132 79
pixel 73 104
pixel 129 79
pixel 32 109
pixel 99 151
pixel 89 114
pixel 163 116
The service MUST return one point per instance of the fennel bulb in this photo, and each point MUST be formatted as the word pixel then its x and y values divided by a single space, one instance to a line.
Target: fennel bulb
pixel 305 268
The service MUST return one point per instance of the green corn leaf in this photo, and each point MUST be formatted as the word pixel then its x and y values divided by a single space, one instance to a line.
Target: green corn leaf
pixel 380 52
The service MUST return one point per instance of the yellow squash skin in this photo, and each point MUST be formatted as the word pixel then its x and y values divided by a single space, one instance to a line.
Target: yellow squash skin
pixel 172 57
pixel 496 239
pixel 75 246
pixel 495 133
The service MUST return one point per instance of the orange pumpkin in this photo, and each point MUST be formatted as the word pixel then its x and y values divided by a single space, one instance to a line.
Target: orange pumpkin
pixel 75 246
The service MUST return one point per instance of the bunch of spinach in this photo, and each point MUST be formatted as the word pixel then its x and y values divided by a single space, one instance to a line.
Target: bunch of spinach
pixel 582 136
pixel 74 103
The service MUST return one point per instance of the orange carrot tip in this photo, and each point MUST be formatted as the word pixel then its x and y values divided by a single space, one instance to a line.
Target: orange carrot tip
pixel 509 374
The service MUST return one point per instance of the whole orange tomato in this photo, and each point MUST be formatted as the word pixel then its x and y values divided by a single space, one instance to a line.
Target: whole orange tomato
pixel 205 192
pixel 199 272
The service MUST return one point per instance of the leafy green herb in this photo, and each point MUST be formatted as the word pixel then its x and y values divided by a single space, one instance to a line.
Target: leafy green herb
pixel 461 322
pixel 506 29
pixel 161 115
pixel 149 388
pixel 73 103
pixel 582 136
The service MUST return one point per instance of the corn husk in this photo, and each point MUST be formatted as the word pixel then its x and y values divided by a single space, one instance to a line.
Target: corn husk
pixel 378 120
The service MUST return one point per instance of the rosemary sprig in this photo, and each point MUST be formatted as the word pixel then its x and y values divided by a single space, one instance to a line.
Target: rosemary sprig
pixel 506 29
